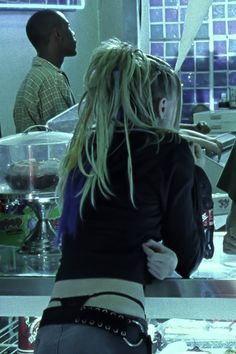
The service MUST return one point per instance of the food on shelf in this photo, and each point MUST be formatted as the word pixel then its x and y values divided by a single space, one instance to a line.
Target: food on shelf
pixel 183 336
pixel 33 175
pixel 184 326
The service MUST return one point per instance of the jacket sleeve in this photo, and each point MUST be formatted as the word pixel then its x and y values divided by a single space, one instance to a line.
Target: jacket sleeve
pixel 228 176
pixel 182 229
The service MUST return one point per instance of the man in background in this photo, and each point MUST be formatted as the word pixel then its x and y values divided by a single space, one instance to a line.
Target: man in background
pixel 45 92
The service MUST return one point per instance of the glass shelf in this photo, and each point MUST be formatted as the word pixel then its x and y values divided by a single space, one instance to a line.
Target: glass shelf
pixel 43 4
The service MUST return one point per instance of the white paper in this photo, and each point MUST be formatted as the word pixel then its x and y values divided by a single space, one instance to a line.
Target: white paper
pixel 196 11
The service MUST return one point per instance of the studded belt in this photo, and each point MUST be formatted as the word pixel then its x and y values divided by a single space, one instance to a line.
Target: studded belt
pixel 110 321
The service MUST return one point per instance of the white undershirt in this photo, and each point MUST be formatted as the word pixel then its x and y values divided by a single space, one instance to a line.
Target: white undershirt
pixel 120 304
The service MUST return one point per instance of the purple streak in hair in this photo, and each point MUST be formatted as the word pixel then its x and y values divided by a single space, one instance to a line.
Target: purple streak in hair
pixel 71 205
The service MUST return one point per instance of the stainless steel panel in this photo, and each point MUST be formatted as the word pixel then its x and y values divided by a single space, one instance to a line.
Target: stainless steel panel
pixel 182 298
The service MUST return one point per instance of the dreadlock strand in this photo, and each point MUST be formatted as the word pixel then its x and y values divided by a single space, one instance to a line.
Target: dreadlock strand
pixel 120 85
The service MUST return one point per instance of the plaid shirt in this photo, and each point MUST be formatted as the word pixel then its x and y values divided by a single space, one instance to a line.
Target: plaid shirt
pixel 44 93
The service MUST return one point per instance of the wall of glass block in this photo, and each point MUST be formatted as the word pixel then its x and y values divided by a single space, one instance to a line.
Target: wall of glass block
pixel 210 66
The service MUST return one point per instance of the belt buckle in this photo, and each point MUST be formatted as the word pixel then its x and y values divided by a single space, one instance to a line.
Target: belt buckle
pixel 141 339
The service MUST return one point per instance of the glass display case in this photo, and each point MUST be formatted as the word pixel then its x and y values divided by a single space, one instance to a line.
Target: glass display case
pixel 30 161
pixel 28 220
pixel 65 121
pixel 28 177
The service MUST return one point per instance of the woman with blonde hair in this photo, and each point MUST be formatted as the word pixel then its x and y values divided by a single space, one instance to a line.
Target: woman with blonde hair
pixel 127 187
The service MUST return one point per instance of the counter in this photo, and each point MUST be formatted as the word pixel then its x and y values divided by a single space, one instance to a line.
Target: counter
pixel 181 298
pixel 209 294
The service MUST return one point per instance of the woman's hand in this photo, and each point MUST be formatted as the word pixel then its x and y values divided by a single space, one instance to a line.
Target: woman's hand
pixel 161 260
pixel 202 127
pixel 198 154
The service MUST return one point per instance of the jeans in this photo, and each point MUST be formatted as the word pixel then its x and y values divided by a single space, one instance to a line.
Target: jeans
pixel 82 339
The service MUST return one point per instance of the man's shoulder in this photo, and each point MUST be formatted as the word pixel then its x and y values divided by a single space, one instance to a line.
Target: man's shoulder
pixel 41 72
pixel 39 75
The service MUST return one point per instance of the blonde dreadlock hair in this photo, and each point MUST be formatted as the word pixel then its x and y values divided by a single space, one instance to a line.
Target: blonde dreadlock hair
pixel 119 78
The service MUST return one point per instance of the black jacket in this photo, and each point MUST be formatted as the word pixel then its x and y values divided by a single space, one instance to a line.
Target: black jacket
pixel 107 242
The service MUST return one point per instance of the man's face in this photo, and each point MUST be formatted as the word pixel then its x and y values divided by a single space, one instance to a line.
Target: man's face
pixel 67 36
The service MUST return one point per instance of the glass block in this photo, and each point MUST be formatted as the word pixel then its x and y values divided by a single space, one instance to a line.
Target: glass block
pixel 220 63
pixel 232 62
pixel 156 32
pixel 171 15
pixel 188 79
pixel 232 78
pixel 202 64
pixel 188 65
pixel 172 31
pixel 203 32
pixel 183 2
pixel 188 96
pixel 157 49
pixel 218 91
pixel 171 2
pixel 203 95
pixel 219 27
pixel 232 45
pixel 185 120
pixel 220 47
pixel 218 11
pixel 232 11
pixel 182 13
pixel 232 27
pixel 202 80
pixel 156 15
pixel 191 51
pixel 187 112
pixel 172 49
pixel 171 61
pixel 220 78
pixel 156 2
pixel 202 48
